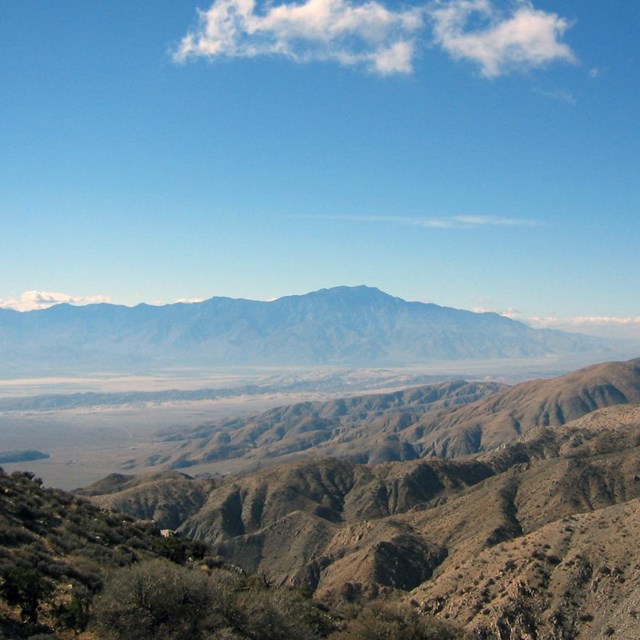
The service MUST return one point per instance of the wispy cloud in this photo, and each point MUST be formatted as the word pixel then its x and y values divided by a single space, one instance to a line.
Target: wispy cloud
pixel 379 39
pixel 604 326
pixel 617 327
pixel 561 95
pixel 504 41
pixel 584 322
pixel 34 300
pixel 452 222
pixel 367 35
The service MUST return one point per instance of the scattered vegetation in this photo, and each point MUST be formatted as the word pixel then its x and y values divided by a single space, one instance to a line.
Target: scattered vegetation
pixel 69 569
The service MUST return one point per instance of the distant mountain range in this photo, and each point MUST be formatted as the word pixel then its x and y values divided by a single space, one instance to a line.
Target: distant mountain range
pixel 352 326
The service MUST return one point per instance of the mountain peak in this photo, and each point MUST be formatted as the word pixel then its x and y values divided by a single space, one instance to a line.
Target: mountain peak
pixel 357 292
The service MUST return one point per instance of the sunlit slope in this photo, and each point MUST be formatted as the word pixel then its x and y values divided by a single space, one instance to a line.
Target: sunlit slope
pixel 447 419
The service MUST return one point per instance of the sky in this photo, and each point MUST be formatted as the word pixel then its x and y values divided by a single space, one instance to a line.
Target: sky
pixel 480 154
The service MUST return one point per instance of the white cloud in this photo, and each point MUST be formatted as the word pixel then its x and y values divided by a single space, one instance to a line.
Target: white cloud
pixel 503 42
pixel 616 327
pixel 189 300
pixel 491 221
pixel 510 312
pixel 367 35
pixel 33 300
pixel 381 40
pixel 452 222
pixel 602 326
pixel 584 321
pixel 619 327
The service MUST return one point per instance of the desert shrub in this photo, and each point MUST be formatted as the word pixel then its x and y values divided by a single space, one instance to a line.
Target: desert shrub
pixel 179 550
pixel 24 588
pixel 393 623
pixel 160 600
pixel 282 614
pixel 74 613
pixel 155 600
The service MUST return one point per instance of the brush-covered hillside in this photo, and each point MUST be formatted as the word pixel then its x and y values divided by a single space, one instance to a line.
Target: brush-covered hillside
pixel 71 570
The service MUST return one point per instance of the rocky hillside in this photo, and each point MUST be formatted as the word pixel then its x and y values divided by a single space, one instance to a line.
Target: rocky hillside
pixel 489 423
pixel 69 570
pixel 363 429
pixel 534 539
pixel 449 419
pixel 167 499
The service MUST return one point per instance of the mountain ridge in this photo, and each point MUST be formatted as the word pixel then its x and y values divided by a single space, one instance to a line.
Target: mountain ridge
pixel 341 325
pixel 446 419
pixel 523 541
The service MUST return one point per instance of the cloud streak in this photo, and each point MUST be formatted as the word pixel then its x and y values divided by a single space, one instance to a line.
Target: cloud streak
pixel 378 39
pixel 452 222
pixel 584 321
pixel 35 300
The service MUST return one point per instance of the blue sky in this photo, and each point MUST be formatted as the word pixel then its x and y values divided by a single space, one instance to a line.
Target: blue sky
pixel 481 154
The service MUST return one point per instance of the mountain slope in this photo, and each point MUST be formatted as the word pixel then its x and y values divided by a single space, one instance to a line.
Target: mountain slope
pixel 448 419
pixel 524 541
pixel 344 325
pixel 166 498
pixel 489 423
pixel 70 570
pixel 365 428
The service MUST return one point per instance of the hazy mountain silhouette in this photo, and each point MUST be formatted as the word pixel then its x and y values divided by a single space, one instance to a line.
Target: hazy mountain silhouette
pixel 352 326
